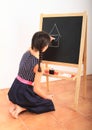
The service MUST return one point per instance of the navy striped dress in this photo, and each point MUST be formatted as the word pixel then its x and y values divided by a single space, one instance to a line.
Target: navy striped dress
pixel 23 94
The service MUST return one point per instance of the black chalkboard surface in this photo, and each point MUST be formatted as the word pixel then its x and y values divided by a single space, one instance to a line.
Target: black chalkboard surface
pixel 67 33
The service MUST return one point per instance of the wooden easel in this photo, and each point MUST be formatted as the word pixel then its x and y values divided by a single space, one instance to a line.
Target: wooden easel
pixel 81 63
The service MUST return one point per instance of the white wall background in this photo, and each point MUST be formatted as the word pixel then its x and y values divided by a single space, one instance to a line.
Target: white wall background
pixel 19 19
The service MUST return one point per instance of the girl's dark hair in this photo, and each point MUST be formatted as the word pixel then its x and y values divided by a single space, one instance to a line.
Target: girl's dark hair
pixel 39 40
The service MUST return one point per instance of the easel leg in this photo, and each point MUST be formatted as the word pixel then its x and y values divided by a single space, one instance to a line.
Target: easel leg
pixel 77 89
pixel 85 66
pixel 84 85
pixel 47 78
pixel 47 81
pixel 82 55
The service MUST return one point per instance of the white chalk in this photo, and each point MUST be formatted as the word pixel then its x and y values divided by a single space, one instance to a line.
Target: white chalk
pixel 66 75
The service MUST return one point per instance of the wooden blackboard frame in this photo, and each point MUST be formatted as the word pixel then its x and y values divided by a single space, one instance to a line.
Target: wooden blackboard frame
pixel 82 53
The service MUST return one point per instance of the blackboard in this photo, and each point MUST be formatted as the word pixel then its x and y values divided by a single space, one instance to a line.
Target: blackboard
pixel 67 33
pixel 69 47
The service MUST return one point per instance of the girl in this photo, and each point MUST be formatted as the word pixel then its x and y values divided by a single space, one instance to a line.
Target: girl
pixel 25 92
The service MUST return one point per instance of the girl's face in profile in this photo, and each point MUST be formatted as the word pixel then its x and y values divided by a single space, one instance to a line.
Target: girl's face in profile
pixel 45 48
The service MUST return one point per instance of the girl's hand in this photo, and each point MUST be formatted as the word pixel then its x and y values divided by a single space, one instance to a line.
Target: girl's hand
pixel 52 38
pixel 50 97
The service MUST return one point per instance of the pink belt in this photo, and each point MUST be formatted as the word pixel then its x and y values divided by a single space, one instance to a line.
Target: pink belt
pixel 24 81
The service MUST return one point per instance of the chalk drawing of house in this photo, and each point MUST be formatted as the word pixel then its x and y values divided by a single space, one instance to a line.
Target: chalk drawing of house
pixel 56 34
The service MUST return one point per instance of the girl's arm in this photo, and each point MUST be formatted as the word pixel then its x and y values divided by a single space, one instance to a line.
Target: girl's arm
pixel 37 84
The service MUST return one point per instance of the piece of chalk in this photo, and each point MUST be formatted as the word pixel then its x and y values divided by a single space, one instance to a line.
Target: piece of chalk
pixel 66 75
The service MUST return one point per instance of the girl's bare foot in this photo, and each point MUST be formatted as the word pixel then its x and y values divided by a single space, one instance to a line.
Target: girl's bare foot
pixel 15 110
pixel 18 110
pixel 12 107
pixel 13 113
